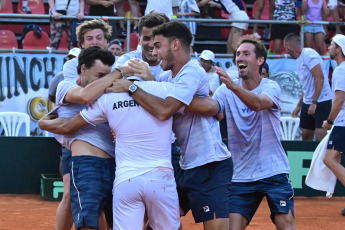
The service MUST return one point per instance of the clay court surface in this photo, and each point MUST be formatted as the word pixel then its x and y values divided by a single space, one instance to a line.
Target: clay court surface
pixel 30 212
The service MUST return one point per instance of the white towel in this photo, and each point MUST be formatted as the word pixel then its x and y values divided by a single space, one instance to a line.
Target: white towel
pixel 320 177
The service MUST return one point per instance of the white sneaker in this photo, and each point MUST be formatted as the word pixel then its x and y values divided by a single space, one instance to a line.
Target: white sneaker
pixel 257 35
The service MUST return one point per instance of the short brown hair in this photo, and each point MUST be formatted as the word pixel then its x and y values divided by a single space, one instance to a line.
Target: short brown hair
pixel 151 20
pixel 92 25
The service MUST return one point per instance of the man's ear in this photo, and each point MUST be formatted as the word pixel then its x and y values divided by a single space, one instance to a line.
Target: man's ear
pixel 175 44
pixel 82 69
pixel 261 61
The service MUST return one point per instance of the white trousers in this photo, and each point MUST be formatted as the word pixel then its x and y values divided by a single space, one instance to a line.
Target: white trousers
pixel 154 192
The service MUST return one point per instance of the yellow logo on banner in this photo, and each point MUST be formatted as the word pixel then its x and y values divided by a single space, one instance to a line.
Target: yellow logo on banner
pixel 38 107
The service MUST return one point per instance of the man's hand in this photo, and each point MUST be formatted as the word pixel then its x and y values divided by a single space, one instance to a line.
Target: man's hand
pixel 141 69
pixel 326 125
pixel 311 109
pixel 80 15
pixel 296 111
pixel 224 77
pixel 119 86
pixel 56 15
pixel 127 71
pixel 107 3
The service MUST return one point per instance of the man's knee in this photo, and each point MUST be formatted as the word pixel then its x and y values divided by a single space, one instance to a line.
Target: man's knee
pixel 285 221
pixel 330 158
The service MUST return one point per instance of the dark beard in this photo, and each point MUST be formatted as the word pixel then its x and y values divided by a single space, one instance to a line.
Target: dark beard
pixel 169 61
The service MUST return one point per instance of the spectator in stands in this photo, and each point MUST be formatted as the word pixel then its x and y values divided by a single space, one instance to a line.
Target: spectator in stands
pixel 175 6
pixel 333 6
pixel 189 9
pixel 64 219
pixel 314 33
pixel 207 62
pixel 282 10
pixel 115 46
pixel 133 5
pixel 103 8
pixel 316 99
pixel 257 16
pixel 237 13
pixel 26 9
pixel 161 6
pixel 265 72
pixel 57 25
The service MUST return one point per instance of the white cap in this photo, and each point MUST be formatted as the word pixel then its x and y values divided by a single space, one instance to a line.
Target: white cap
pixel 74 52
pixel 207 55
pixel 339 39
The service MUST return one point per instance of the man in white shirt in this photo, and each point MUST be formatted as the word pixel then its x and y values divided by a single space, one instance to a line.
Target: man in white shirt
pixel 144 174
pixel 206 165
pixel 146 24
pixel 336 142
pixel 95 32
pixel 207 62
pixel 92 162
pixel 261 168
pixel 316 100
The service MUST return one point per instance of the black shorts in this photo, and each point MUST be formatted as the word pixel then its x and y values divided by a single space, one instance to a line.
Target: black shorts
pixel 279 31
pixel 311 122
pixel 205 190
pixel 336 139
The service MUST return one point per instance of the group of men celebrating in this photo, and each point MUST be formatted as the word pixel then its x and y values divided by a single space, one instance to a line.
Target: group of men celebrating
pixel 162 90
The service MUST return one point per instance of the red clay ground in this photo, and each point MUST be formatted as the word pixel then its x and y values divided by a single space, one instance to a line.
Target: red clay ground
pixel 30 212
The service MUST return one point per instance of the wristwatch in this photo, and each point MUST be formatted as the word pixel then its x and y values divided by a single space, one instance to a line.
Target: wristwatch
pixel 329 121
pixel 132 89
pixel 314 102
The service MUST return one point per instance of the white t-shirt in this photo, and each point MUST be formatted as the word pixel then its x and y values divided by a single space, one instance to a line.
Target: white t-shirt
pixel 143 142
pixel 199 136
pixel 99 136
pixel 254 137
pixel 308 59
pixel 338 83
pixel 162 6
pixel 156 70
pixel 73 7
pixel 213 80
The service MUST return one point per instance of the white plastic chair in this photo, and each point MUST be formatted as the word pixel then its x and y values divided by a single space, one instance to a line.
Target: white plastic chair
pixel 288 128
pixel 11 122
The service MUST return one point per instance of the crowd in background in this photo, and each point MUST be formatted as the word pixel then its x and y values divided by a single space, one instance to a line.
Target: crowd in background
pixel 315 35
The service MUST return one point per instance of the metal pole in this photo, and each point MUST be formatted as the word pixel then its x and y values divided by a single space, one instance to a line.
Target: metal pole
pixel 128 17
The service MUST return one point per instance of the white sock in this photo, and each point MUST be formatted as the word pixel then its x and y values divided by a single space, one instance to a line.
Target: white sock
pixel 25 3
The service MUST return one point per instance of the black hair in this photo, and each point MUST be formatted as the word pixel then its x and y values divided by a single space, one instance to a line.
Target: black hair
pixel 175 30
pixel 151 20
pixel 89 56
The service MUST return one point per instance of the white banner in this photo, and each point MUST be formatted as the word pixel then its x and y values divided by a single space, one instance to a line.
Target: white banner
pixel 24 82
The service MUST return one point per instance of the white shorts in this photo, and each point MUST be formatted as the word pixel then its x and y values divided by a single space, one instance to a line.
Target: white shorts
pixel 155 190
pixel 239 15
